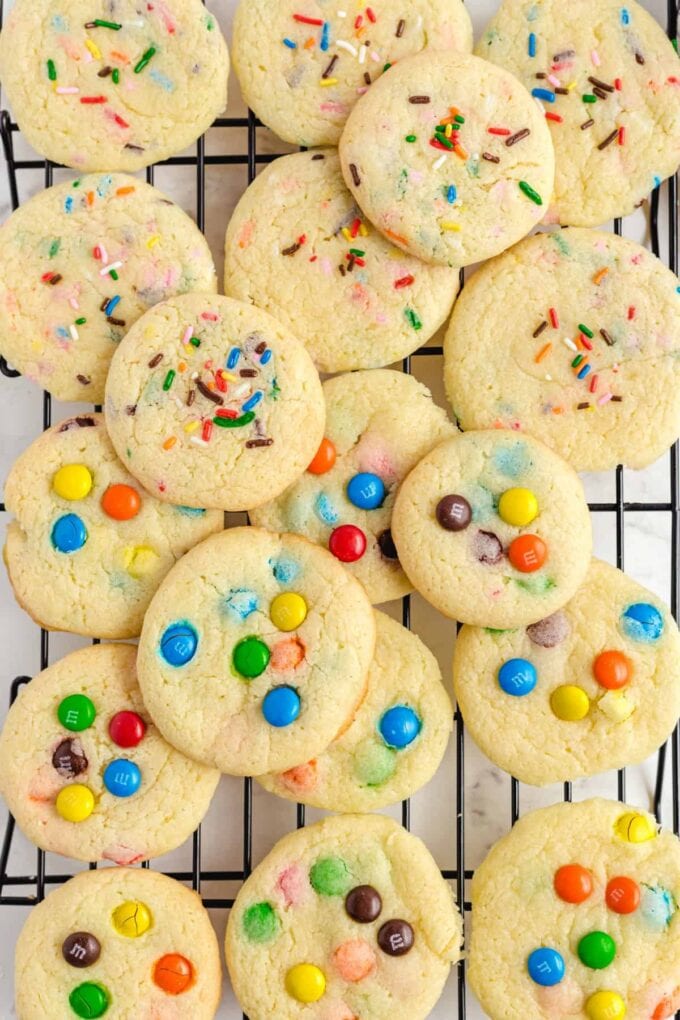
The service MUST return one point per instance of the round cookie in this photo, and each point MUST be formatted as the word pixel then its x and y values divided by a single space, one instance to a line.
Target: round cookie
pixel 255 651
pixel 595 686
pixel 378 426
pixel 210 402
pixel 318 61
pixel 113 86
pixel 79 263
pixel 86 773
pixel 493 529
pixel 396 740
pixel 576 362
pixel 449 157
pixel 298 246
pixel 342 919
pixel 609 81
pixel 125 942
pixel 597 889
pixel 89 547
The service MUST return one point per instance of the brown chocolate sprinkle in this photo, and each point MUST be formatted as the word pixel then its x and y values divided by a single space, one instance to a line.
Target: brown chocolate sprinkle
pixel 608 140
pixel 607 337
pixel 105 72
pixel 248 373
pixel 587 124
pixel 560 56
pixel 156 360
pixel 601 84
pixel 261 347
pixel 292 249
pixel 517 137
pixel 191 396
pixel 490 158
pixel 84 380
pixel 541 75
pixel 135 148
pixel 104 304
pixel 400 28
pixel 355 174
pixel 318 155
pixel 251 443
pixel 560 91
pixel 599 92
pixel 582 406
pixel 367 78
pixel 131 409
pixel 617 399
pixel 327 73
pixel 55 279
pixel 539 329
pixel 115 322
pixel 419 100
pixel 639 59
pixel 350 263
pixel 342 269
pixel 82 422
pixel 208 394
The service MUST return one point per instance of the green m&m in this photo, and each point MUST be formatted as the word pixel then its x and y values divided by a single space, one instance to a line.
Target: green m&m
pixel 596 950
pixel 89 1000
pixel 76 712
pixel 250 657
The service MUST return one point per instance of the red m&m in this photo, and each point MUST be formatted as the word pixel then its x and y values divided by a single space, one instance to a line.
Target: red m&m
pixel 528 553
pixel 347 543
pixel 573 883
pixel 126 729
pixel 612 670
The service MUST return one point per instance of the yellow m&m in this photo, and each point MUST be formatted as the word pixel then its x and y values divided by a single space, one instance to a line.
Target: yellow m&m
pixel 518 507
pixel 570 703
pixel 305 982
pixel 635 828
pixel 75 803
pixel 72 481
pixel 288 611
pixel 605 1006
pixel 131 919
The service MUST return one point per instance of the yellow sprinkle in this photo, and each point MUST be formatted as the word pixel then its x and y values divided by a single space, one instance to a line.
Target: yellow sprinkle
pixel 94 49
pixel 325 82
pixel 228 376
pixel 169 442
pixel 346 234
pixel 191 426
pixel 571 85
pixel 153 241
pixel 363 230
pixel 447 225
pixel 448 131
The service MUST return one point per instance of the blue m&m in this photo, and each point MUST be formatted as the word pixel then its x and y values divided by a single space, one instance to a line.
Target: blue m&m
pixel 365 490
pixel 399 726
pixel 546 967
pixel 517 677
pixel 642 622
pixel 69 534
pixel 122 778
pixel 178 644
pixel 281 706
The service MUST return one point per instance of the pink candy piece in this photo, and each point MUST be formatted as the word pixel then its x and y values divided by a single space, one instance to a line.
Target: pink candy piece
pixel 301 778
pixel 292 883
pixel 354 960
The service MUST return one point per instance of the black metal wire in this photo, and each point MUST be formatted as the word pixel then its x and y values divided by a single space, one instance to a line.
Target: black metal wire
pixel 40 880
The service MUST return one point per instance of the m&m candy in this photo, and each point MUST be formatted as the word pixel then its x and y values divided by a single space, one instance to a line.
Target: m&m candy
pixel 399 726
pixel 122 778
pixel 453 512
pixel 605 1006
pixel 81 949
pixel 305 982
pixel 127 729
pixel 75 803
pixel 250 657
pixel 517 677
pixel 131 919
pixel 281 706
pixel 546 966
pixel 527 553
pixel 366 491
pixel 69 534
pixel 363 904
pixel 635 828
pixel 72 481
pixel 354 960
pixel 121 502
pixel 623 895
pixel 396 937
pixel 518 507
pixel 596 950
pixel 570 703
pixel 173 973
pixel 612 670
pixel 178 644
pixel 324 458
pixel 642 622
pixel 89 1000
pixel 288 611
pixel 573 883
pixel 76 712
pixel 347 543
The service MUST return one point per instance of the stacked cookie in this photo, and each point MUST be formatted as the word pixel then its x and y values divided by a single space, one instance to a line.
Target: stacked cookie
pixel 260 653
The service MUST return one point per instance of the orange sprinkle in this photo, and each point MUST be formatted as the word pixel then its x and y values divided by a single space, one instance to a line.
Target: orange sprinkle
pixel 542 353
pixel 169 443
pixel 396 237
pixel 460 151
pixel 310 42
pixel 182 367
pixel 125 191
pixel 123 57
pixel 600 275
pixel 578 340
pixel 557 410
pixel 90 198
pixel 211 385
pixel 454 111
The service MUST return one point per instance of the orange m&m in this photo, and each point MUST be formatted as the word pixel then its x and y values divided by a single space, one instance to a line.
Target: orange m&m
pixel 573 883
pixel 121 502
pixel 623 895
pixel 324 458
pixel 528 553
pixel 612 670
pixel 173 973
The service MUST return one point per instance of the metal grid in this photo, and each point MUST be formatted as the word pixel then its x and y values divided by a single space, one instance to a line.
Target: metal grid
pixel 39 880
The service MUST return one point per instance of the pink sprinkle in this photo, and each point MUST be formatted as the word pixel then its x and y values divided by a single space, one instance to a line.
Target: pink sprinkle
pixel 375 57
pixel 291 884
pixel 67 90
pixel 604 399
pixel 593 383
pixel 210 316
pixel 331 107
pixel 100 253
pixel 362 90
pixel 554 80
pixel 595 57
pixel 73 303
pixel 188 333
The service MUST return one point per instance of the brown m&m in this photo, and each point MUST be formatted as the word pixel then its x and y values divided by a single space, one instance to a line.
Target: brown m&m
pixel 69 759
pixel 453 512
pixel 386 545
pixel 363 904
pixel 81 949
pixel 396 937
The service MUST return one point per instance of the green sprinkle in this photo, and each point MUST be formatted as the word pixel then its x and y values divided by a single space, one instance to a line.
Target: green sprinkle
pixel 386 67
pixel 410 138
pixel 413 319
pixel 234 423
pixel 168 379
pixel 458 119
pixel 577 361
pixel 446 142
pixel 358 252
pixel 76 184
pixel 146 57
pixel 54 247
pixel 584 329
pixel 51 70
pixel 330 876
pixel 530 193
pixel 675 44
pixel 113 274
pixel 588 98
pixel 80 322
pixel 107 24
pixel 260 922
pixel 115 76
pixel 195 342
pixel 209 24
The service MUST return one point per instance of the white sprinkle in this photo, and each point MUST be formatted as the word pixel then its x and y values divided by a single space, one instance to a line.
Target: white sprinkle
pixel 240 390
pixel 197 441
pixel 188 333
pixel 375 57
pixel 67 90
pixel 74 332
pixel 594 56
pixel 102 253
pixel 548 377
pixel 342 45
pixel 419 22
pixel 179 403
pixel 135 24
pixel 110 268
pixel 570 343
pixel 73 303
pixel 439 162
pixel 194 375
pixel 604 399
pixel 341 14
pixel 362 54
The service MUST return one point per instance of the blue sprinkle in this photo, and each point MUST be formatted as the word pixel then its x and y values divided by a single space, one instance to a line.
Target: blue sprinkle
pixel 584 372
pixel 284 570
pixel 252 401
pixel 190 511
pixel 625 16
pixel 266 357
pixel 234 355
pixel 545 94
pixel 162 79
pixel 532 44
pixel 242 602
pixel 68 204
pixel 657 180
pixel 290 44
pixel 532 13
pixel 325 32
pixel 451 194
pixel 677 290
pixel 59 23
pixel 325 509
pixel 104 186
pixel 62 332
pixel 112 304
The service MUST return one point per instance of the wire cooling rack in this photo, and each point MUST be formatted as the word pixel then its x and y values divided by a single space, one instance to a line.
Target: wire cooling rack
pixel 35 885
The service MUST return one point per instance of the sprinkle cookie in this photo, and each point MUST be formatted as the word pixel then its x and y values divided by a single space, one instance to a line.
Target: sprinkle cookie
pixel 113 85
pixel 121 942
pixel 89 546
pixel 493 529
pixel 86 773
pixel 379 424
pixel 255 652
pixel 395 742
pixel 449 157
pixel 609 81
pixel 302 67
pixel 342 919
pixel 594 686
pixel 299 247
pixel 588 360
pixel 210 402
pixel 79 263
pixel 597 888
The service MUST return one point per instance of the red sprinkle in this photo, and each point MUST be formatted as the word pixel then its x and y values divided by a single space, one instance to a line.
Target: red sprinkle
pixel 554 321
pixel 301 239
pixel 358 261
pixel 210 316
pixel 93 99
pixel 593 383
pixel 304 20
pixel 358 21
pixel 617 84
pixel 405 281
pixel 585 342
pixel 220 382
pixel 225 412
pixel 631 312
pixel 119 120
pixel 371 15
pixel 498 131
pixel 46 277
pixel 97 252
pixel 314 258
pixel 622 136
pixel 554 116
pixel 206 432
pixel 354 229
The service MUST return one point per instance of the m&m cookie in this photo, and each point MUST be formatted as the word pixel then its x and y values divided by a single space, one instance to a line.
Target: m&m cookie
pixel 396 740
pixel 576 915
pixel 379 424
pixel 211 403
pixel 593 686
pixel 89 546
pixel 255 652
pixel 86 773
pixel 493 529
pixel 349 917
pixel 118 942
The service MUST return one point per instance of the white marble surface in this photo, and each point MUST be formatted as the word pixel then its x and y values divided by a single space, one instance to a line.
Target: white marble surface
pixel 647 553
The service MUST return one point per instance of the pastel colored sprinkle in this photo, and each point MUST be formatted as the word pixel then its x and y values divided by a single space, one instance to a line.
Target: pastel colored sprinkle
pixel 290 44
pixel 451 194
pixel 343 45
pixel 304 20
pixel 169 442
pixel 74 332
pixel 600 275
pixel 145 58
pixel 604 399
pixel 595 57
pixel 413 319
pixel 325 35
pixel 54 247
pixel 530 193
pixel 584 329
pixel 544 351
pixel 439 163
pixel 67 90
pixel 51 70
pixel 94 49
pixel 167 382
pixel 569 343
pixel 449 225
pixel 545 94
pixel 210 316
pixel 111 268
pixel 532 44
